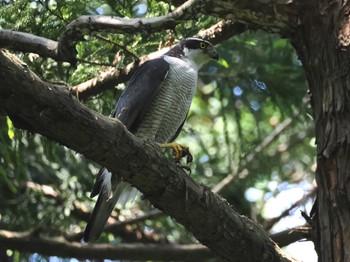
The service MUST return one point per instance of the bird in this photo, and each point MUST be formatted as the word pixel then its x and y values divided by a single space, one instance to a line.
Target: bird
pixel 154 106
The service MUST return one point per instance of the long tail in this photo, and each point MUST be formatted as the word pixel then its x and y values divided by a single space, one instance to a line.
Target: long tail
pixel 111 191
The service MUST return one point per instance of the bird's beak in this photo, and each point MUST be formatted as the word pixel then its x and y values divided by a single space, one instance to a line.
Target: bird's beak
pixel 214 54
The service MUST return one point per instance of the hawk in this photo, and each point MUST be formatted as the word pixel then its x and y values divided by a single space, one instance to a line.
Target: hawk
pixel 153 106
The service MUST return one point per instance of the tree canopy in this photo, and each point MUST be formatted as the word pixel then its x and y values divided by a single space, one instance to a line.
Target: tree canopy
pixel 249 129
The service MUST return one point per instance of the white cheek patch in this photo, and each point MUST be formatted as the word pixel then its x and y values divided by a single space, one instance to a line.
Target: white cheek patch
pixel 186 51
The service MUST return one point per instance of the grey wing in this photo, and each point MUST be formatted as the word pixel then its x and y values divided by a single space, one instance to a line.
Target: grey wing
pixel 131 106
pixel 138 94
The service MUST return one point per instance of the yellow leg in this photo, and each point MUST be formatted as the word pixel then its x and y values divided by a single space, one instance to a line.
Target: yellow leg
pixel 179 151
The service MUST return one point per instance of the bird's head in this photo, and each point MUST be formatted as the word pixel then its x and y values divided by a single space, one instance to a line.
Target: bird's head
pixel 197 50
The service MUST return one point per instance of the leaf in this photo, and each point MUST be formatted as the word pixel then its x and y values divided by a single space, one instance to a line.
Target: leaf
pixel 223 63
pixel 10 132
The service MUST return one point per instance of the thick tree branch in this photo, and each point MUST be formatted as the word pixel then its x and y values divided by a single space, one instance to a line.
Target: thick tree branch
pixel 281 17
pixel 271 15
pixel 51 111
pixel 29 43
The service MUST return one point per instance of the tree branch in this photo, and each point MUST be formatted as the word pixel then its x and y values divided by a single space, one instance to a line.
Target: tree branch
pixel 281 17
pixel 64 49
pixel 108 79
pixel 34 243
pixel 51 111
pixel 85 25
pixel 29 43
pixel 271 222
pixel 289 236
pixel 119 228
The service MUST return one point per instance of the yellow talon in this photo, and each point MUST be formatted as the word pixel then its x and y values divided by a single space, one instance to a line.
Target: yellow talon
pixel 179 151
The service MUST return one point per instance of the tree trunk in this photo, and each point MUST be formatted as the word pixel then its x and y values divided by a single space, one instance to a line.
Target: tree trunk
pixel 321 42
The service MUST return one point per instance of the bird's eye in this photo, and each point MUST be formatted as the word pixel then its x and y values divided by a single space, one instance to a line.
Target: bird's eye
pixel 202 45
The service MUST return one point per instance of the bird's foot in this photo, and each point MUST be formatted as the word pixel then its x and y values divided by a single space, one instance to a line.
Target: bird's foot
pixel 179 151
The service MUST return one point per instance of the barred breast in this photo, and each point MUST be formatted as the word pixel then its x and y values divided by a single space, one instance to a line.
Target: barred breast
pixel 171 102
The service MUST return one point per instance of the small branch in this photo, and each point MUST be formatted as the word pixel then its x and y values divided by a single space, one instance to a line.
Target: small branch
pixel 34 243
pixel 108 79
pixel 120 46
pixel 149 215
pixel 46 190
pixel 94 63
pixel 287 237
pixel 270 223
pixel 118 228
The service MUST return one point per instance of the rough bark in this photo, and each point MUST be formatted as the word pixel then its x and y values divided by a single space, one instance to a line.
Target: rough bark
pixel 272 16
pixel 323 46
pixel 53 112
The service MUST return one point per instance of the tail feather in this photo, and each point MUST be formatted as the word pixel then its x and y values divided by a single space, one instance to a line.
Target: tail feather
pixel 126 193
pixel 111 191
pixel 102 210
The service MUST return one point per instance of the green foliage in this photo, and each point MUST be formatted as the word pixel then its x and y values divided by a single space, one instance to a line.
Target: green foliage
pixel 257 84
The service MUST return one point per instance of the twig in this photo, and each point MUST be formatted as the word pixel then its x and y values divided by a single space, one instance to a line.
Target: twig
pixel 127 51
pixel 94 63
pixel 273 221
